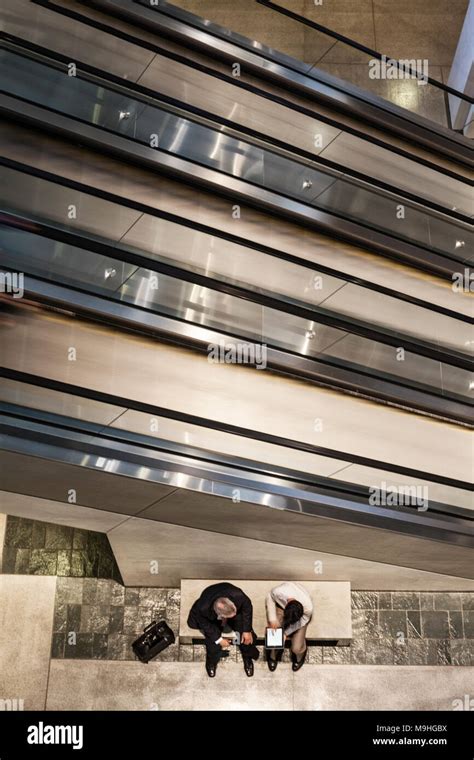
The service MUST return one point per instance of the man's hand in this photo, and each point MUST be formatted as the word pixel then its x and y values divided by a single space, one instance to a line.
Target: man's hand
pixel 225 643
pixel 246 638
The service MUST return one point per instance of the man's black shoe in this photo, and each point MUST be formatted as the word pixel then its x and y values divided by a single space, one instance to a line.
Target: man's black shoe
pixel 211 669
pixel 248 667
pixel 297 664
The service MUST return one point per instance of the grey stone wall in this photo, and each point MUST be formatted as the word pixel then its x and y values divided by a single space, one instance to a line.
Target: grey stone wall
pixel 390 628
pixel 38 548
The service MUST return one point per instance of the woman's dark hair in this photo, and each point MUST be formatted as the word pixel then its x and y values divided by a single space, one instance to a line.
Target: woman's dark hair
pixel 293 612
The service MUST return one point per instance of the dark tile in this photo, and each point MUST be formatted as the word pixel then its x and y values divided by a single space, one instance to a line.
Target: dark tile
pixel 378 653
pixel 439 651
pixel 99 646
pixel 173 596
pixel 135 619
pixel 57 645
pixel 43 562
pixel 78 564
pixel 358 623
pixel 73 617
pixel 447 601
pixel 170 654
pixel 357 649
pixel 455 625
pixel 106 566
pixel 94 618
pixel 414 624
pixel 364 600
pixel 118 594
pixel 79 539
pixel 400 652
pixel 336 655
pixel 315 655
pixel 23 561
pixel 116 620
pixel 385 600
pixel 426 601
pixel 9 560
pixel 79 646
pixel 393 623
pixel 58 537
pixel 406 600
pixel 119 647
pixel 199 652
pixel 18 533
pixel 69 590
pixel 467 599
pixel 74 589
pixel 371 624
pixel 64 562
pixel 131 596
pixel 418 652
pixel 434 624
pixel 153 597
pixel 186 652
pixel 90 591
pixel 468 616
pixel 60 617
pixel 104 591
pixel 38 535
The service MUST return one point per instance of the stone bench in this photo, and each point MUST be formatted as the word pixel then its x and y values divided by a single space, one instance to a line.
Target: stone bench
pixel 331 623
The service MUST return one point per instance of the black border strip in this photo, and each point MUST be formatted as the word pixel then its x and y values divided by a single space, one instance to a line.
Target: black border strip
pixel 107 398
pixel 172 55
pixel 198 226
pixel 315 314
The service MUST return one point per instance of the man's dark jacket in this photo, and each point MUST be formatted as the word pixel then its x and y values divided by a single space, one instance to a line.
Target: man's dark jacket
pixel 202 613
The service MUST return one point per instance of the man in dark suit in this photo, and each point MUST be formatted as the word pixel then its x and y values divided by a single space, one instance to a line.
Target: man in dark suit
pixel 222 607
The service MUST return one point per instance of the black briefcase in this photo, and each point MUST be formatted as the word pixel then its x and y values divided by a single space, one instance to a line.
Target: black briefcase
pixel 154 639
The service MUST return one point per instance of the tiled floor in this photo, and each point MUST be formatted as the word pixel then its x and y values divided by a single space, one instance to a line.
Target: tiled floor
pixel 99 619
pixel 38 548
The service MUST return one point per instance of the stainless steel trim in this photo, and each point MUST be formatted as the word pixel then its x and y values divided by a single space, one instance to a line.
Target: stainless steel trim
pixel 353 100
pixel 291 364
pixel 230 186
pixel 94 452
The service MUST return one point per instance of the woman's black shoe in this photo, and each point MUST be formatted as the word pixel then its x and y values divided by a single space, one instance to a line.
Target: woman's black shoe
pixel 211 669
pixel 272 664
pixel 297 664
pixel 248 667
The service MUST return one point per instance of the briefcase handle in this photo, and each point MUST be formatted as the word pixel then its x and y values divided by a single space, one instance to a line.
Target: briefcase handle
pixel 149 626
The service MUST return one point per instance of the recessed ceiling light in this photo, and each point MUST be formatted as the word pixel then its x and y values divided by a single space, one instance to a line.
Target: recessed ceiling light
pixel 460 244
pixel 124 115
pixel 471 385
pixel 307 184
pixel 109 273
pixel 309 334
